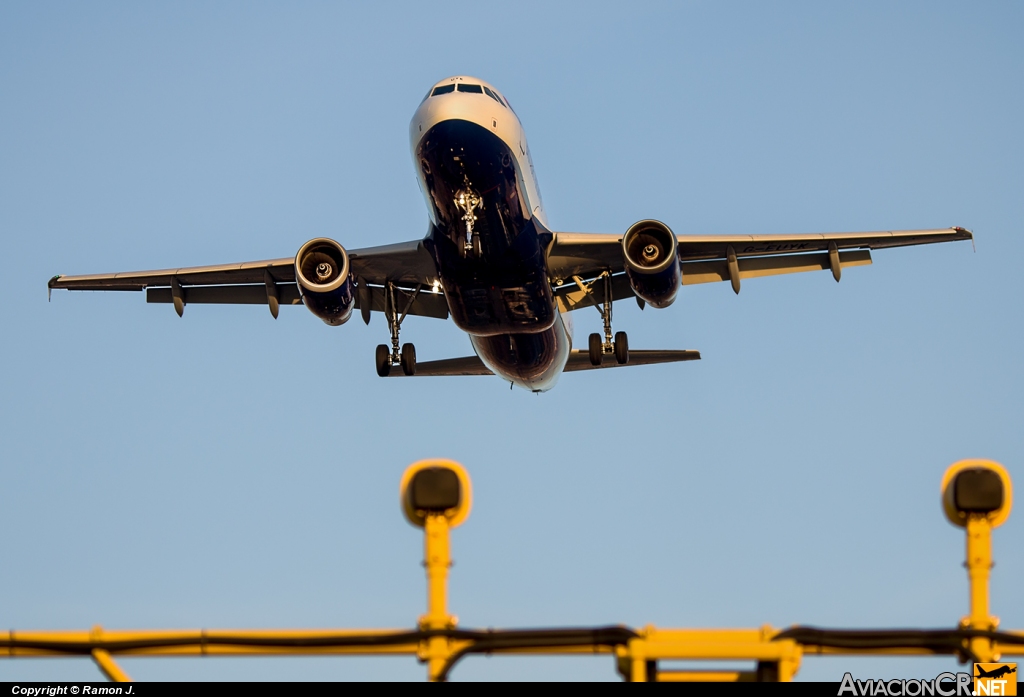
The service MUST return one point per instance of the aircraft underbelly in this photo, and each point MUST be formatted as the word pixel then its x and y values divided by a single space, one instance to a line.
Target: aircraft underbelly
pixel 533 361
pixel 488 249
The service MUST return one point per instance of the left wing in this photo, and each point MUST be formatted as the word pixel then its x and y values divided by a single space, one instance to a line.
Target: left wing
pixel 272 282
pixel 707 258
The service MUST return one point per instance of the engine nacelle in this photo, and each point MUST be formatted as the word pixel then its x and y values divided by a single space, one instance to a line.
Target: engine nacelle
pixel 325 280
pixel 652 262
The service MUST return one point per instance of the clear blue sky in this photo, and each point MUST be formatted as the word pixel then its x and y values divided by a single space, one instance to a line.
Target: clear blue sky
pixel 227 470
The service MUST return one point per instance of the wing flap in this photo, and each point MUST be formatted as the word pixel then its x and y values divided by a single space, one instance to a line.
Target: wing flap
pixel 573 297
pixel 287 294
pixel 427 303
pixel 693 247
pixel 752 267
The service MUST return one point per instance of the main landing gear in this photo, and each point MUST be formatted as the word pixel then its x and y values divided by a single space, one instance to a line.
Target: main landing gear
pixel 620 346
pixel 385 357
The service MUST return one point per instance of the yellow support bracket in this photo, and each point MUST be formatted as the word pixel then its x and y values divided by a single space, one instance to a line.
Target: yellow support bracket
pixel 777 660
pixel 109 667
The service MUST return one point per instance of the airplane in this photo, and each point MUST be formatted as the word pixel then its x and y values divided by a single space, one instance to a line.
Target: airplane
pixel 994 673
pixel 490 261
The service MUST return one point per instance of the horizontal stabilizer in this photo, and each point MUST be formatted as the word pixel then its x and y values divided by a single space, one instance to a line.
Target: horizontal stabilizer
pixel 468 365
pixel 578 360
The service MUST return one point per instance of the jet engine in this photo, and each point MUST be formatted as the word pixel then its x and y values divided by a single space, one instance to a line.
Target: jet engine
pixel 652 263
pixel 325 280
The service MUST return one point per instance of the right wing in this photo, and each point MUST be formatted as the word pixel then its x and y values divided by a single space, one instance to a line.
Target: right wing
pixel 575 258
pixel 271 282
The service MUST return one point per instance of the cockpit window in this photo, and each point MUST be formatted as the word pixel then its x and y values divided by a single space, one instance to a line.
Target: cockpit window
pixel 494 96
pixel 443 89
pixel 476 89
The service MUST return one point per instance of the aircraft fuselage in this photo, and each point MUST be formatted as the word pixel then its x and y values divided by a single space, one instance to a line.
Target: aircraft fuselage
pixel 488 232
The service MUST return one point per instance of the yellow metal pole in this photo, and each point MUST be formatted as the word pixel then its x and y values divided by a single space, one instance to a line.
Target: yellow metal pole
pixel 437 560
pixel 109 667
pixel 979 568
pixel 789 665
pixel 638 659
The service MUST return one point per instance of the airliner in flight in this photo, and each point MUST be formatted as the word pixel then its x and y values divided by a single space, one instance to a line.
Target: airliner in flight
pixel 491 262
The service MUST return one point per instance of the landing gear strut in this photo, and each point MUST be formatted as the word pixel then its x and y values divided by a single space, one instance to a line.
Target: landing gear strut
pixel 468 201
pixel 598 348
pixel 406 357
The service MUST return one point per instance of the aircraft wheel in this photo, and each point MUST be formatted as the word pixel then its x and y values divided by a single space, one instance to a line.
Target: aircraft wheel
pixel 383 359
pixel 409 359
pixel 621 348
pixel 596 349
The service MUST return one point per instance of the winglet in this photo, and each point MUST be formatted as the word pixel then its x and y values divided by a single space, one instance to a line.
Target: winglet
pixel 968 233
pixel 50 285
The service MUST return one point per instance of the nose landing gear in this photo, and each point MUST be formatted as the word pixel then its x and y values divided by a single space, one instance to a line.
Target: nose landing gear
pixel 385 357
pixel 468 201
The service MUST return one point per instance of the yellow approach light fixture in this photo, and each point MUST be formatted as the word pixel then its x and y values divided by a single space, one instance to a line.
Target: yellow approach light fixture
pixel 436 487
pixel 977 489
pixel 437 496
pixel 977 495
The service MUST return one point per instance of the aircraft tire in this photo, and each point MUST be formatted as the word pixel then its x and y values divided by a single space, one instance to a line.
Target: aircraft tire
pixel 621 348
pixel 596 349
pixel 409 359
pixel 383 359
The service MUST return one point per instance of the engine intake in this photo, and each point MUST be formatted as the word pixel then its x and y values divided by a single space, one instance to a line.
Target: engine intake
pixel 325 280
pixel 652 263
